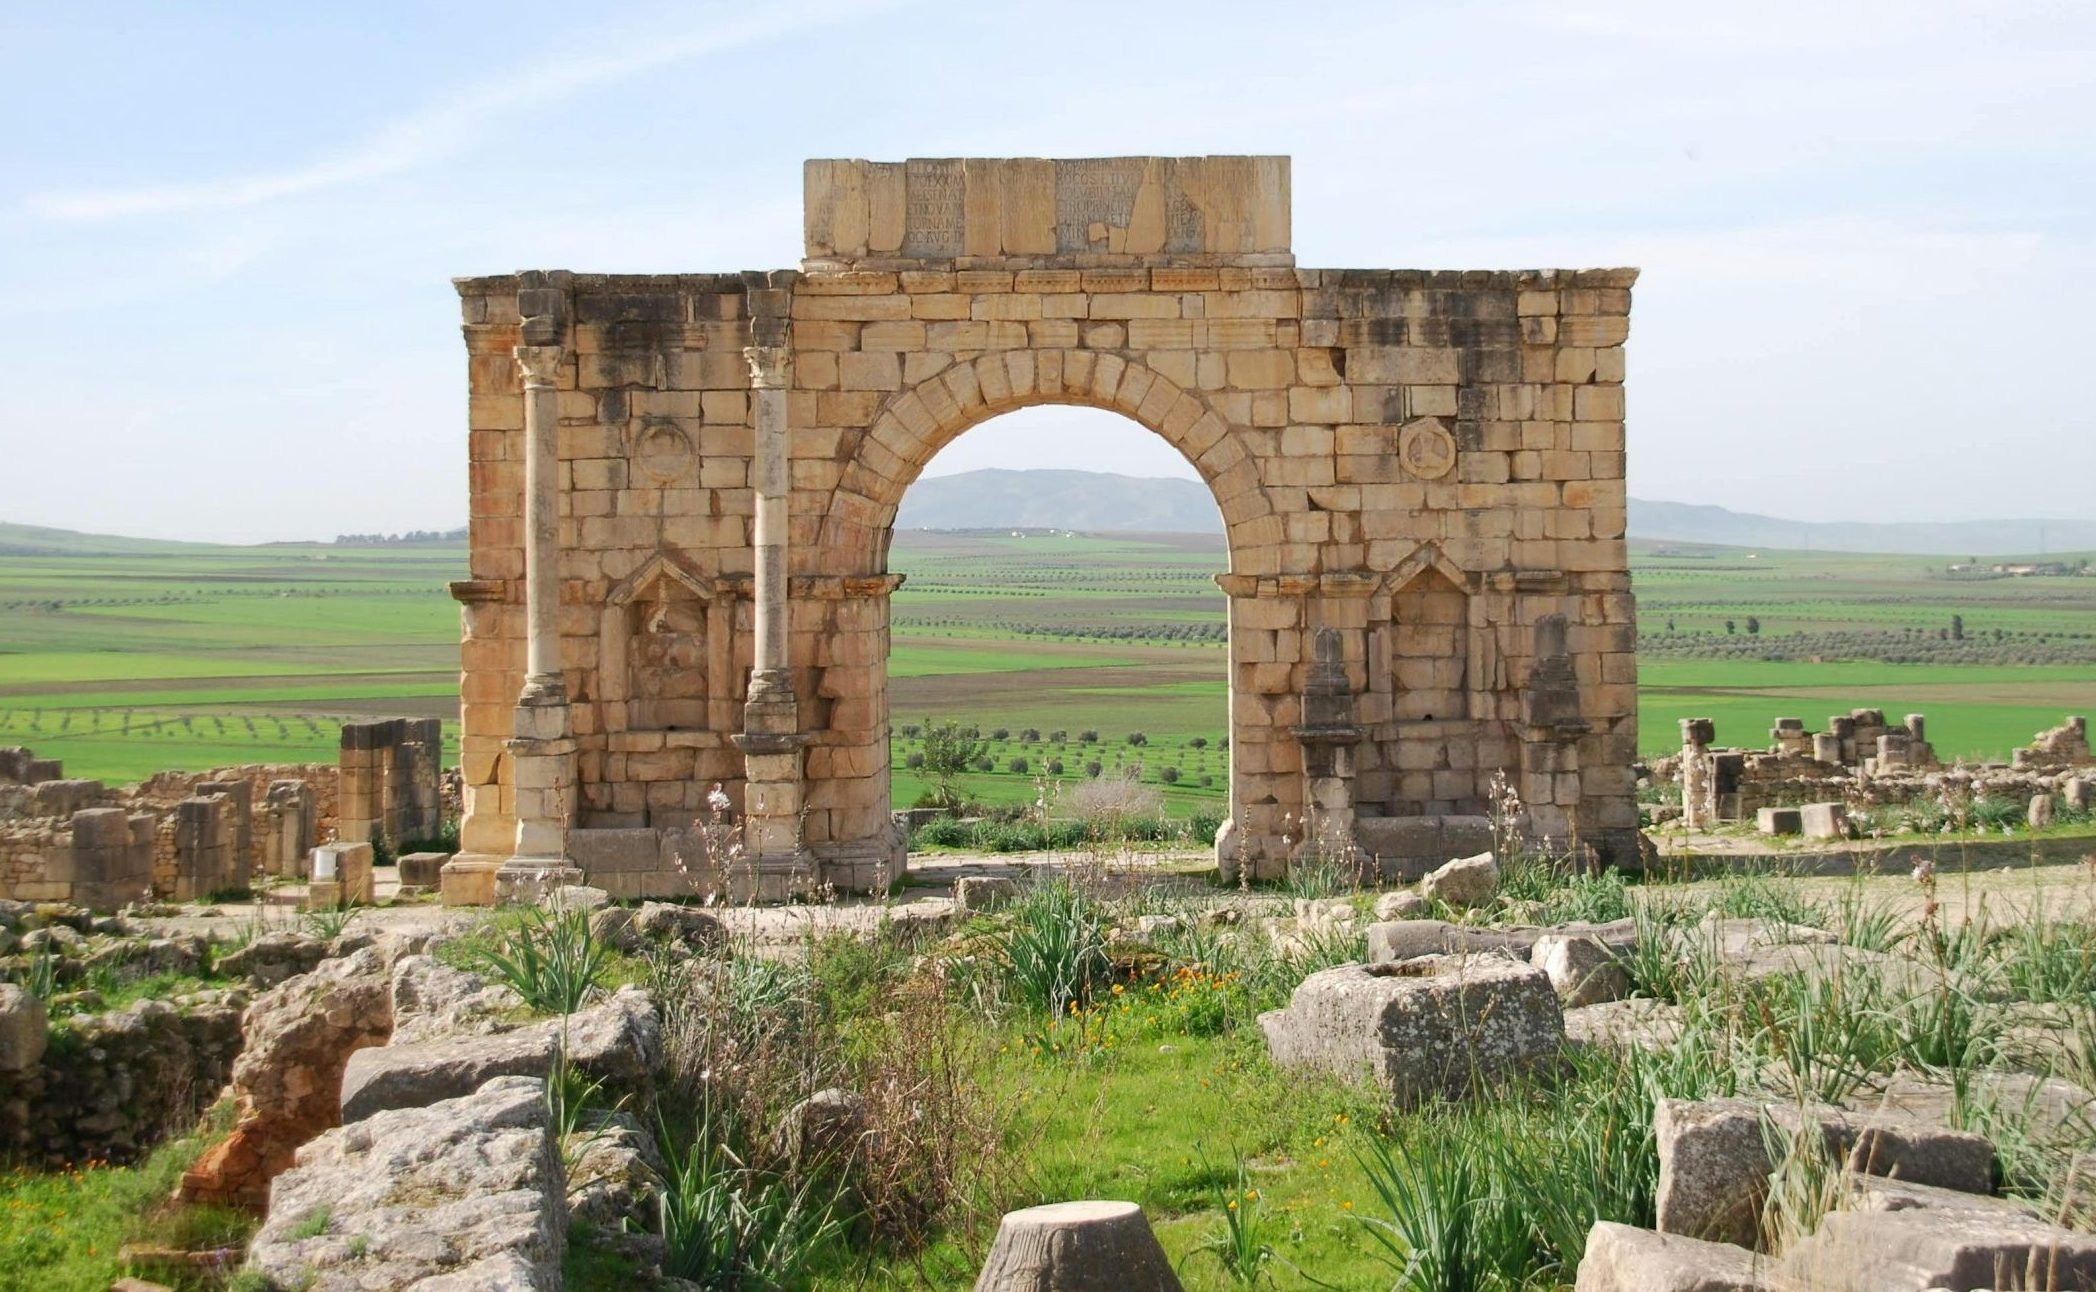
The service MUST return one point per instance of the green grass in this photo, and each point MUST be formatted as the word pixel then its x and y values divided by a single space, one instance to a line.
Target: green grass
pixel 1117 633
pixel 61 1231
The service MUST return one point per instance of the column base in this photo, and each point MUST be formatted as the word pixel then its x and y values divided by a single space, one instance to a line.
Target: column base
pixel 468 879
pixel 527 881
pixel 771 879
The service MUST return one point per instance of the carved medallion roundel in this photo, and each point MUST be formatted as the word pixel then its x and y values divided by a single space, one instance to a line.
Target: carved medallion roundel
pixel 1426 448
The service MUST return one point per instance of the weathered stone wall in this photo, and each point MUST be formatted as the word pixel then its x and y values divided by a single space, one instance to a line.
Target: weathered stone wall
pixel 1390 450
pixel 43 856
pixel 111 1086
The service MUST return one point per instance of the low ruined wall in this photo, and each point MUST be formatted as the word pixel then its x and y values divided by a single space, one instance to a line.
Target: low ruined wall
pixel 111 1086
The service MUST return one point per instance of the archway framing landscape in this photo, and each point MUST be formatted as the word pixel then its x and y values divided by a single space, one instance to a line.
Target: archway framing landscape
pixel 1356 428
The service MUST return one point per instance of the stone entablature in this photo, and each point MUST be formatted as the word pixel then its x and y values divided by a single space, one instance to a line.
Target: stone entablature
pixel 1428 463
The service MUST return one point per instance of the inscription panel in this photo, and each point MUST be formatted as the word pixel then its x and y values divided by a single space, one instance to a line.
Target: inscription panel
pixel 933 193
pixel 1094 191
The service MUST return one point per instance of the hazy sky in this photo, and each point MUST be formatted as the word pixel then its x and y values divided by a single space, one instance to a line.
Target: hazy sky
pixel 226 231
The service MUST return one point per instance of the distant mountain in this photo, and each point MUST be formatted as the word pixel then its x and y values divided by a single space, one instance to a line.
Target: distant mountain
pixel 35 540
pixel 1690 523
pixel 1097 500
pixel 1103 502
pixel 1082 500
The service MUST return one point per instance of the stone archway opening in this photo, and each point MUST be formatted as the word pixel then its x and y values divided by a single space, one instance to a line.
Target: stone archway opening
pixel 1060 603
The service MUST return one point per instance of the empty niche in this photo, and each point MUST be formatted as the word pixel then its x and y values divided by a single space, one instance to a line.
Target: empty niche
pixel 654 649
pixel 1429 648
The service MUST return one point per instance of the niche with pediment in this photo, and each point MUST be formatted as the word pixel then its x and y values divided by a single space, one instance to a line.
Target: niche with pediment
pixel 1426 643
pixel 661 631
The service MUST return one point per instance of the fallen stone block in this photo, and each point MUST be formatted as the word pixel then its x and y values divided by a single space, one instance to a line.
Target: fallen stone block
pixel 1623 1258
pixel 1401 905
pixel 1825 820
pixel 1779 820
pixel 1898 1237
pixel 1624 1024
pixel 1409 939
pixel 1464 882
pixel 467 1193
pixel 1716 1157
pixel 1581 970
pixel 983 892
pixel 1432 1026
pixel 422 871
pixel 617 1042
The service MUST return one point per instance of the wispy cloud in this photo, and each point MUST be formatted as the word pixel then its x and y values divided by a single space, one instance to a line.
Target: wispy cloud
pixel 444 128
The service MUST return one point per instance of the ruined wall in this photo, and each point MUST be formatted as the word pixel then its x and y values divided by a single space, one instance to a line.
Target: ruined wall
pixel 1389 450
pixel 111 1086
pixel 136 844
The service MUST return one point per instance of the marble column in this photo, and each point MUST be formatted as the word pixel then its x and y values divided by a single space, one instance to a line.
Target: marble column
pixel 542 750
pixel 774 864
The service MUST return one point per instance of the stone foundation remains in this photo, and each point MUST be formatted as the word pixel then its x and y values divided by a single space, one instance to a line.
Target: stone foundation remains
pixel 188 835
pixel 1859 758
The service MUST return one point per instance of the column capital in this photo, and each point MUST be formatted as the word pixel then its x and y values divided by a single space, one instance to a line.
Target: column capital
pixel 771 366
pixel 540 364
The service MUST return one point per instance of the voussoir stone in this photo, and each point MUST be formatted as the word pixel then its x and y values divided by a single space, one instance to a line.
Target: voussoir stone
pixel 1430 1026
pixel 466 1193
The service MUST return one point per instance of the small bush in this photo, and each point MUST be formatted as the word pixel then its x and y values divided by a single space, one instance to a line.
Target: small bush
pixel 914 760
pixel 1055 767
pixel 1169 775
pixel 1018 766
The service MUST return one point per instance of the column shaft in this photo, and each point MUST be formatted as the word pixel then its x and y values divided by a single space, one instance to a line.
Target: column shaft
pixel 541 522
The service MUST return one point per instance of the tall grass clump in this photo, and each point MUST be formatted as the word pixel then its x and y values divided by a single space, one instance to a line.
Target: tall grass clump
pixel 1054 953
pixel 729 1227
pixel 551 958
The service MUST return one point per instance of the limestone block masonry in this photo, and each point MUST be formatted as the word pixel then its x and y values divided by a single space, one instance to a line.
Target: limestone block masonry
pixel 1426 464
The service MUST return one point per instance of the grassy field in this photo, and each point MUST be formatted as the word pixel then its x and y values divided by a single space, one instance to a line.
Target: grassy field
pixel 127 659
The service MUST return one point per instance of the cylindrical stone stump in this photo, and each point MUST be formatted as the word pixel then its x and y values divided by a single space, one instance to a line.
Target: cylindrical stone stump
pixel 1077 1247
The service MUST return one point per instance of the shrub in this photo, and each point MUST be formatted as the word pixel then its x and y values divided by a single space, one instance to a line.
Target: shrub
pixel 1088 737
pixel 1001 733
pixel 1198 742
pixel 986 764
pixel 1055 767
pixel 1169 775
pixel 940 832
pixel 949 750
pixel 1094 767
pixel 1018 765
pixel 1110 806
pixel 914 760
pixel 1138 738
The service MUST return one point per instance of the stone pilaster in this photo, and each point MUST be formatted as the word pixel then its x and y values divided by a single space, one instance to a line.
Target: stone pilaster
pixel 1551 731
pixel 1329 737
pixel 774 862
pixel 542 746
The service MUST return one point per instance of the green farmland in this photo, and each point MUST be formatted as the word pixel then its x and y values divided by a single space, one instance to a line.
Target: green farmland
pixel 124 659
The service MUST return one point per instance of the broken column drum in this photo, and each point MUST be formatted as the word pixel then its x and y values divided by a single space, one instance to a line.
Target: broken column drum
pixel 704 470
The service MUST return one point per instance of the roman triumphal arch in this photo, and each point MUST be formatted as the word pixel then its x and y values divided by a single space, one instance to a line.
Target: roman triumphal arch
pixel 683 487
